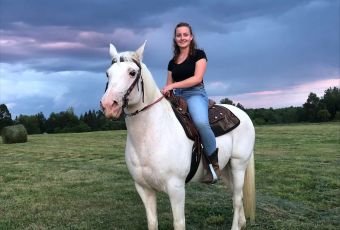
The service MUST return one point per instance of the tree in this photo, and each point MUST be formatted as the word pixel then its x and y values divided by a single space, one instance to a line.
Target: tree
pixel 240 106
pixel 63 122
pixel 31 123
pixel 288 115
pixel 101 120
pixel 226 101
pixel 52 123
pixel 323 115
pixel 5 116
pixel 41 121
pixel 90 118
pixel 331 99
pixel 337 116
pixel 311 107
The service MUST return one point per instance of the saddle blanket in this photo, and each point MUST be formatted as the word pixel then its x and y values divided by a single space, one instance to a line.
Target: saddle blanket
pixel 221 120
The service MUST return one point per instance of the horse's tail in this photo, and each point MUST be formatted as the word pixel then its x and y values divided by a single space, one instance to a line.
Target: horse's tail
pixel 249 199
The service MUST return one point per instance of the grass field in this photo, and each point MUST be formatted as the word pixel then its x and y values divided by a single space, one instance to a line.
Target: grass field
pixel 80 181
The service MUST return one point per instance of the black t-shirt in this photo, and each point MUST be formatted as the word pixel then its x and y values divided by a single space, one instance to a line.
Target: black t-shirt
pixel 185 69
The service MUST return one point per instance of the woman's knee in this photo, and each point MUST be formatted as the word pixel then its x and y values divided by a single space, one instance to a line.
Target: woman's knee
pixel 202 124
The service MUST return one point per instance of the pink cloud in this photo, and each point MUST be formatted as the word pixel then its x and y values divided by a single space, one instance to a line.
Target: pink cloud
pixel 12 41
pixel 280 98
pixel 17 45
pixel 91 35
pixel 68 39
pixel 273 92
pixel 62 45
pixel 124 36
pixel 319 86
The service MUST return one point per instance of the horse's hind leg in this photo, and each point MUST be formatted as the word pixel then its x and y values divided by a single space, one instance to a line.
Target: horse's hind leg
pixel 150 203
pixel 238 171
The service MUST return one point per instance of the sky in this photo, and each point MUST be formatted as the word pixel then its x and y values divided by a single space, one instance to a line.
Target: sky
pixel 261 53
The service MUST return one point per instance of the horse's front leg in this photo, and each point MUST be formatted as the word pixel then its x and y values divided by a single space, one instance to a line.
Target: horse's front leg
pixel 150 203
pixel 176 192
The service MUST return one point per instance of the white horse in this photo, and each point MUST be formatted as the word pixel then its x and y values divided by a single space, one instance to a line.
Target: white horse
pixel 158 152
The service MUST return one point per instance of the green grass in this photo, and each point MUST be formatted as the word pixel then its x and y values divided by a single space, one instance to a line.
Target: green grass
pixel 80 181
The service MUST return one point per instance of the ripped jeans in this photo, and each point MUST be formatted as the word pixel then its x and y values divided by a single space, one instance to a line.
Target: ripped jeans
pixel 197 101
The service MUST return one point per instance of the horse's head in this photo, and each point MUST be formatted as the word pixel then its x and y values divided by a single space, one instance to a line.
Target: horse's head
pixel 124 82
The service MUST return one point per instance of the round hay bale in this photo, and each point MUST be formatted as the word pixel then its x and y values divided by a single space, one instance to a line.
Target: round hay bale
pixel 14 134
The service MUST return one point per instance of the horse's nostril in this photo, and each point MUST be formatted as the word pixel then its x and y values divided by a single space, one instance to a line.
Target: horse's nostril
pixel 114 103
pixel 101 106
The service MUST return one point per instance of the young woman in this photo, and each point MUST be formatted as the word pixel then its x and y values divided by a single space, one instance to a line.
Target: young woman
pixel 185 76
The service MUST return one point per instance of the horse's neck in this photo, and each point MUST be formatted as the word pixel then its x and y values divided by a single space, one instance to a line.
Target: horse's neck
pixel 146 128
pixel 150 121
pixel 155 134
pixel 151 90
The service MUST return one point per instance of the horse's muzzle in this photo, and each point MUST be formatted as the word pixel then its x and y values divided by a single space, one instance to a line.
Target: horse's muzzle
pixel 111 109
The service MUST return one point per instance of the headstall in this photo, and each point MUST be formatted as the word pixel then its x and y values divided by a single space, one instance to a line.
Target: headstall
pixel 134 83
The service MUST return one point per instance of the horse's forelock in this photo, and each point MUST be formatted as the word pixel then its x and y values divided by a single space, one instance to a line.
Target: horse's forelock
pixel 123 57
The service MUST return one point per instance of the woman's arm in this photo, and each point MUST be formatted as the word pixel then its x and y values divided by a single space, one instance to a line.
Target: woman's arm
pixel 169 78
pixel 169 81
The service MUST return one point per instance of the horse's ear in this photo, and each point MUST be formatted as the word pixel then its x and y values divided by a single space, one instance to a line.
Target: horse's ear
pixel 113 51
pixel 139 52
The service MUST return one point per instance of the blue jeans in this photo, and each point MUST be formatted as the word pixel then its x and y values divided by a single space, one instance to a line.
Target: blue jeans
pixel 197 101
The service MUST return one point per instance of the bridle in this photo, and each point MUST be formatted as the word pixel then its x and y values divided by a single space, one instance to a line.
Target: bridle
pixel 134 83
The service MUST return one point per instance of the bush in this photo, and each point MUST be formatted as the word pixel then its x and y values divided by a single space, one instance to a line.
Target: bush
pixel 323 115
pixel 82 127
pixel 259 121
pixel 337 116
pixel 14 134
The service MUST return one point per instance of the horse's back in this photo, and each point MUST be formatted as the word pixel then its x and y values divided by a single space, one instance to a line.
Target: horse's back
pixel 246 125
pixel 239 113
pixel 238 143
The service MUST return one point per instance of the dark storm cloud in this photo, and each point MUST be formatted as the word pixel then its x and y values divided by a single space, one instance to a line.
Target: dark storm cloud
pixel 85 13
pixel 134 14
pixel 294 47
pixel 252 46
pixel 42 23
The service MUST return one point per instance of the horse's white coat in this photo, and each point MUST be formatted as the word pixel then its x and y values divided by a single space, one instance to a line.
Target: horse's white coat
pixel 158 153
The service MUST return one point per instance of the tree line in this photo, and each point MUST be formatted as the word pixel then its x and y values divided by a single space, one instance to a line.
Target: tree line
pixel 62 122
pixel 315 109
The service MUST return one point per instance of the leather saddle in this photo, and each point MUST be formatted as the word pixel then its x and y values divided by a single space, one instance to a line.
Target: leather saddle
pixel 221 120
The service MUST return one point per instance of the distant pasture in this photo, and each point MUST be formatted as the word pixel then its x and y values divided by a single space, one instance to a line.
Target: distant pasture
pixel 80 181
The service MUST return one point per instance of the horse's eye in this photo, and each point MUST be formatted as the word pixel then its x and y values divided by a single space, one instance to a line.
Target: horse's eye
pixel 132 73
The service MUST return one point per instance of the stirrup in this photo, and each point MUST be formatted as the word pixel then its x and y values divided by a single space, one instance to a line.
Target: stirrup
pixel 213 173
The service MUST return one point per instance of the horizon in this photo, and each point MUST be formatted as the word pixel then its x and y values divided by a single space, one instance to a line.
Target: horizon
pixel 216 99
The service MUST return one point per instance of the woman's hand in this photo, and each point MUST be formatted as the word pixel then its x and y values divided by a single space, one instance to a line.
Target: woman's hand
pixel 166 90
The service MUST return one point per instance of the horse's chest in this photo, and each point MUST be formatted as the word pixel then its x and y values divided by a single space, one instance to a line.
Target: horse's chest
pixel 146 171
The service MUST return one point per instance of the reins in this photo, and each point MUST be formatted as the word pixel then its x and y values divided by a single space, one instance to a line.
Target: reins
pixel 134 83
pixel 144 108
